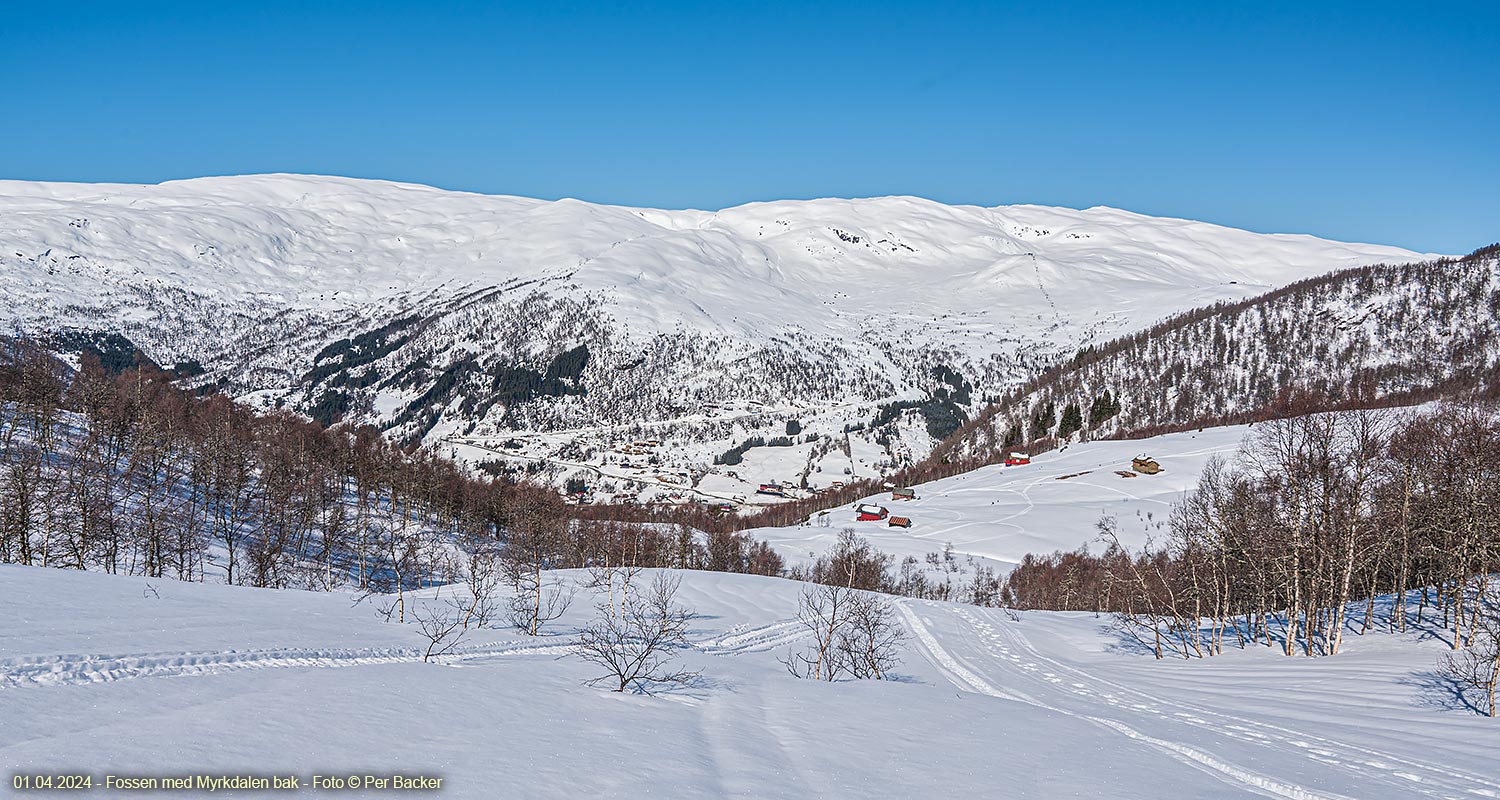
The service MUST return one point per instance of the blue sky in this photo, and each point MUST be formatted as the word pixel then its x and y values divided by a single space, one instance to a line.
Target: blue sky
pixel 1366 121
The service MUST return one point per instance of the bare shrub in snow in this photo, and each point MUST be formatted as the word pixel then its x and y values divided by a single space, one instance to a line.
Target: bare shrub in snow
pixel 854 634
pixel 482 577
pixel 634 641
pixel 538 600
pixel 441 626
pixel 870 644
pixel 821 610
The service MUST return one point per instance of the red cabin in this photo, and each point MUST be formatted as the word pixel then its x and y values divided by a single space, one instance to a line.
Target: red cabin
pixel 1017 459
pixel 871 513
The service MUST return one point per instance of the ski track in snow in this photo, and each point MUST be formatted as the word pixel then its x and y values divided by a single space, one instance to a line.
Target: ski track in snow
pixel 1004 664
pixel 971 681
pixel 67 670
pixel 1325 750
pixel 745 744
pixel 747 639
pixel 1012 648
pixel 72 670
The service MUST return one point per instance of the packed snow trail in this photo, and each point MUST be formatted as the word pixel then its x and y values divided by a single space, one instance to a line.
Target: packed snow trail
pixel 66 670
pixel 747 638
pixel 69 670
pixel 971 681
pixel 1432 780
pixel 984 654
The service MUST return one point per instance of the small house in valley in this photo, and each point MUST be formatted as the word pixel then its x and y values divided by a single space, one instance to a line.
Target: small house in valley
pixel 1145 465
pixel 869 512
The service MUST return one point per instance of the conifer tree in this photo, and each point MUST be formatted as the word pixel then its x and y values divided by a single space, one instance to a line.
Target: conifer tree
pixel 1072 421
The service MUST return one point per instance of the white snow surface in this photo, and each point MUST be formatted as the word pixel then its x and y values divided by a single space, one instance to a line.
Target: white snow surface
pixel 112 675
pixel 998 514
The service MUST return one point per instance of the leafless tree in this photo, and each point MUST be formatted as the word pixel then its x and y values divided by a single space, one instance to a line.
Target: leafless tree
pixel 870 644
pixel 822 610
pixel 1477 665
pixel 613 581
pixel 854 633
pixel 536 534
pixel 539 598
pixel 635 642
pixel 483 574
pixel 442 626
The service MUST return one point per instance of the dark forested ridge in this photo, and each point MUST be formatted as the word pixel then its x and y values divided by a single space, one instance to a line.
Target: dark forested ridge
pixel 1369 336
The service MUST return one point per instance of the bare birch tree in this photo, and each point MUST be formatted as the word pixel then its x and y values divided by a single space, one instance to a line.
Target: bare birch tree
pixel 635 642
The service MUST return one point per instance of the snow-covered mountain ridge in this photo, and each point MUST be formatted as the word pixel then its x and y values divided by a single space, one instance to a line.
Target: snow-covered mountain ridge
pixel 453 316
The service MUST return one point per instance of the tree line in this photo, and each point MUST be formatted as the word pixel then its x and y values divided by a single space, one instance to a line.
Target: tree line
pixel 1322 525
pixel 126 472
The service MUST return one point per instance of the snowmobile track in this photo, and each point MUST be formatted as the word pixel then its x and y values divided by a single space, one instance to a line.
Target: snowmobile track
pixel 966 679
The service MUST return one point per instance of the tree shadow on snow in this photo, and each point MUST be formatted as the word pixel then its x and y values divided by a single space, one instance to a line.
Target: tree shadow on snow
pixel 900 678
pixel 693 690
pixel 1120 642
pixel 1435 690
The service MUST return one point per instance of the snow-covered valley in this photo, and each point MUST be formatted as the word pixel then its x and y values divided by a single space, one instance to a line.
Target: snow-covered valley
pixel 735 358
pixel 115 675
pixel 814 401
pixel 555 336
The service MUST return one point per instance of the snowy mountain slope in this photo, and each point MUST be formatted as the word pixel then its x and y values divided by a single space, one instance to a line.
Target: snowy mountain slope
pixel 998 514
pixel 123 676
pixel 1362 335
pixel 332 241
pixel 442 314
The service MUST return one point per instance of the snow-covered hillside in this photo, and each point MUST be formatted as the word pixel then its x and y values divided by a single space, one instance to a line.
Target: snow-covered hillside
pixel 105 675
pixel 998 514
pixel 1365 335
pixel 452 316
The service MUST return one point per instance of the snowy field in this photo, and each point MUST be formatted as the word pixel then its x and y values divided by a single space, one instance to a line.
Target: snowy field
pixel 999 514
pixel 114 675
